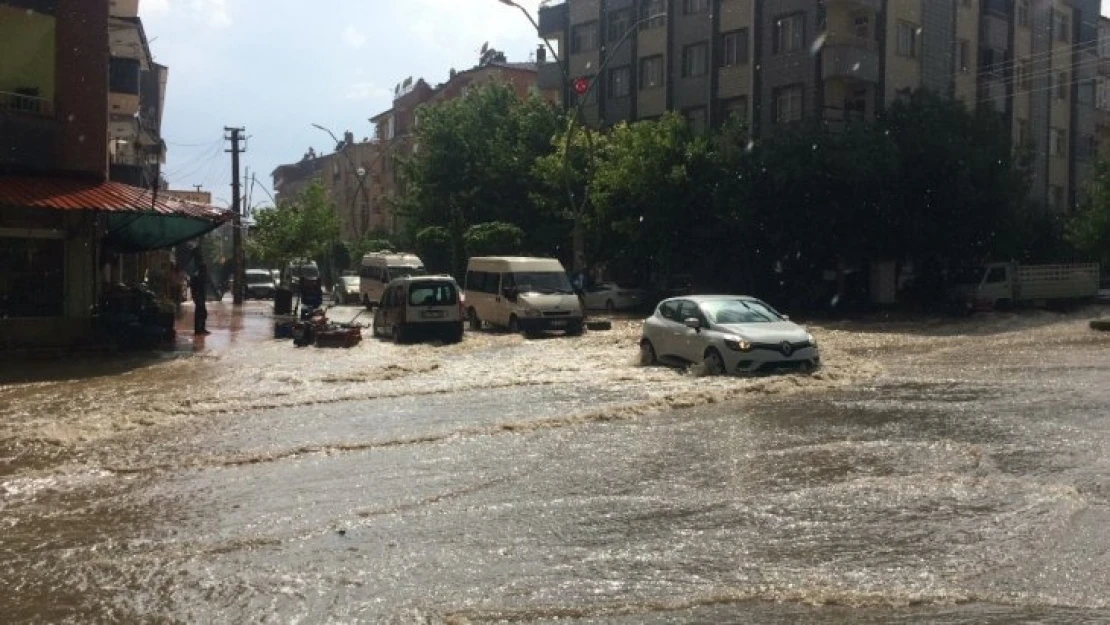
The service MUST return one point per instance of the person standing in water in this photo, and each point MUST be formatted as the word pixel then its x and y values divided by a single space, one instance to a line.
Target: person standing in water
pixel 198 287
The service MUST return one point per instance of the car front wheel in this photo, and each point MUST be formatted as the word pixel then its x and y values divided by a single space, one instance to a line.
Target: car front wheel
pixel 714 364
pixel 647 353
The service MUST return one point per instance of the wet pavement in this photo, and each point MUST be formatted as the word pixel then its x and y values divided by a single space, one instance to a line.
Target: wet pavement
pixel 954 472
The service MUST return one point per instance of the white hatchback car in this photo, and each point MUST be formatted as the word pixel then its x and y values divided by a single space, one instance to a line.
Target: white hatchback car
pixel 728 333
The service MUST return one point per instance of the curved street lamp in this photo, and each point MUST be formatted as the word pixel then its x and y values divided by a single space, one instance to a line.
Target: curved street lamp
pixel 359 172
pixel 576 209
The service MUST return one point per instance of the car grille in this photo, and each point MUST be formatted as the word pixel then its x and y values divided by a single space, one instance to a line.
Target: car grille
pixel 778 347
pixel 556 313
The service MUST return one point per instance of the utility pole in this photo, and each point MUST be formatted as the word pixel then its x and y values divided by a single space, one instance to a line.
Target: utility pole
pixel 237 209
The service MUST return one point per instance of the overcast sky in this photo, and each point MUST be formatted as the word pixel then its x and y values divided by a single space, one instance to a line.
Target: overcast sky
pixel 277 66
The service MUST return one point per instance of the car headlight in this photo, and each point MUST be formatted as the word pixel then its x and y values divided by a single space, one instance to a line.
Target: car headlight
pixel 528 311
pixel 812 340
pixel 737 344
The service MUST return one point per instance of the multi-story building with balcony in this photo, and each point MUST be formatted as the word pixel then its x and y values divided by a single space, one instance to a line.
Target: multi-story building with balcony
pixel 778 61
pixel 137 91
pixel 68 233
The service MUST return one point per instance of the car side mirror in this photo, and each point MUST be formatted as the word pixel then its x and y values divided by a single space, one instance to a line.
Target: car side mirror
pixel 692 322
pixel 786 317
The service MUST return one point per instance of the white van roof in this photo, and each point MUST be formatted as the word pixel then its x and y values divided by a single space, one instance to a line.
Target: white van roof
pixel 514 263
pixel 393 258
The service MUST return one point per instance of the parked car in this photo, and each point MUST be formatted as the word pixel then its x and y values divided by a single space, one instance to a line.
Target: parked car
pixel 610 296
pixel 260 284
pixel 728 334
pixel 420 306
pixel 346 290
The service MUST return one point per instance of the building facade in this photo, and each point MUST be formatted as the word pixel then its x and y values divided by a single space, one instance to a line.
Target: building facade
pixel 777 61
pixel 69 234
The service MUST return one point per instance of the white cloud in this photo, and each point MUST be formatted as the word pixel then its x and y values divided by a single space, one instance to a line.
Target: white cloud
pixel 155 7
pixel 464 26
pixel 353 37
pixel 216 12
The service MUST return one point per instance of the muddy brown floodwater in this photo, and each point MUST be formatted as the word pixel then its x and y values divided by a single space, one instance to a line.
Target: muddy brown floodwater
pixel 949 471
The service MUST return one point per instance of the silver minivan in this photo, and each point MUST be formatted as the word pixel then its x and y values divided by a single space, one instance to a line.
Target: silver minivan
pixel 416 307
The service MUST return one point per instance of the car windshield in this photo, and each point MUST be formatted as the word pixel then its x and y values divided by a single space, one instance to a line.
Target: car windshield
pixel 739 311
pixel 541 282
pixel 350 280
pixel 432 294
pixel 258 277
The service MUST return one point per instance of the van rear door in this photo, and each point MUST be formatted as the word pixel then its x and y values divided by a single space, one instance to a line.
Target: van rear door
pixel 431 301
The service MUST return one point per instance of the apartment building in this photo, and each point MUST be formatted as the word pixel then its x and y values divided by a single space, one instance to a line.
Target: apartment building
pixel 778 61
pixel 68 232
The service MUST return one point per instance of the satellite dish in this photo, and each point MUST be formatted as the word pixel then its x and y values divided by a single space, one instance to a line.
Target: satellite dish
pixel 485 47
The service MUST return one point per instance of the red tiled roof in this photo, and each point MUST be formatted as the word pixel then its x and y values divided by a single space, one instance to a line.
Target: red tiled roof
pixel 59 193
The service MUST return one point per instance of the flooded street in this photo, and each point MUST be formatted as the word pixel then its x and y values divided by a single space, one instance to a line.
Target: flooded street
pixel 954 471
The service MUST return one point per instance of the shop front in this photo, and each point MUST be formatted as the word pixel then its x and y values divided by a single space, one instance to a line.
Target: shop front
pixel 76 254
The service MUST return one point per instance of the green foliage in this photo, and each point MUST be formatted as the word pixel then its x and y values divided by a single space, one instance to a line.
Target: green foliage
pixel 495 238
pixel 475 164
pixel 303 228
pixel 433 246
pixel 1089 229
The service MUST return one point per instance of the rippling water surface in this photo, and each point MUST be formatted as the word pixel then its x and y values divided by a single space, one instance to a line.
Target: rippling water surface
pixel 954 472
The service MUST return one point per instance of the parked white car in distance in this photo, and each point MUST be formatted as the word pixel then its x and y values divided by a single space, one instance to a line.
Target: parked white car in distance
pixel 728 334
pixel 610 296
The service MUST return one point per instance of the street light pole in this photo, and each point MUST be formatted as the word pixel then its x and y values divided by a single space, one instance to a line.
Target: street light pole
pixel 578 235
pixel 359 172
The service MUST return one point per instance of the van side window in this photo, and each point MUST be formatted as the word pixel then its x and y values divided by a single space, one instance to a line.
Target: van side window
pixel 364 271
pixel 996 275
pixel 384 275
pixel 507 281
pixel 474 281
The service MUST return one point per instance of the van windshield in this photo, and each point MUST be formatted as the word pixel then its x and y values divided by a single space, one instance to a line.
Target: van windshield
pixel 432 294
pixel 540 282
pixel 406 271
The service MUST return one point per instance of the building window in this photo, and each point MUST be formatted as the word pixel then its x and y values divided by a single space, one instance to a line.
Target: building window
pixel 1103 44
pixel 1060 25
pixel 34 272
pixel 620 79
pixel 861 26
pixel 788 104
pixel 963 55
pixel 789 33
pixel 1023 13
pixel 583 38
pixel 619 23
pixel 1086 92
pixel 1025 75
pixel 1058 142
pixel 695 60
pixel 650 8
pixel 1062 86
pixel 1022 131
pixel 651 72
pixel 735 109
pixel 690 7
pixel 907 39
pixel 734 48
pixel 1102 94
pixel 695 117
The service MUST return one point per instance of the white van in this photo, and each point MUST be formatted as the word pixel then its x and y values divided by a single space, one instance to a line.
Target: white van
pixel 420 306
pixel 378 269
pixel 522 294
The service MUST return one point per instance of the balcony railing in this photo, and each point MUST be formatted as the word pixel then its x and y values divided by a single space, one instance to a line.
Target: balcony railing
pixel 15 102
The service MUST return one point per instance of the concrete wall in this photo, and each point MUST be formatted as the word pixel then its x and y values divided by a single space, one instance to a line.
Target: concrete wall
pixel 81 104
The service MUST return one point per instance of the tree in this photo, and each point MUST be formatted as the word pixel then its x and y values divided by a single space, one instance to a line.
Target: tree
pixel 433 246
pixel 475 165
pixel 1089 229
pixel 305 227
pixel 495 238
